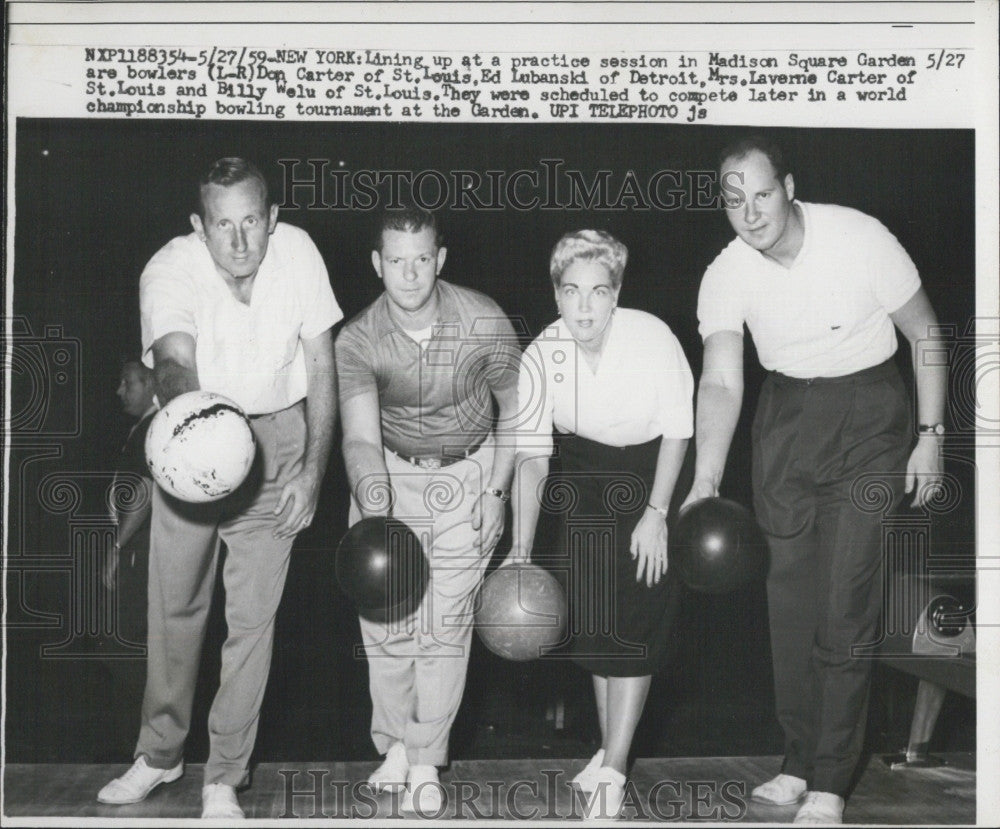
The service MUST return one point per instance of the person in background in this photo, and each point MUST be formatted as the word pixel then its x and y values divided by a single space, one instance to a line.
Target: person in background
pixel 126 562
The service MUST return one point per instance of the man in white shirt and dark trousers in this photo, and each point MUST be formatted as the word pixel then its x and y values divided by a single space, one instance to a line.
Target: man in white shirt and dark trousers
pixel 242 307
pixel 822 289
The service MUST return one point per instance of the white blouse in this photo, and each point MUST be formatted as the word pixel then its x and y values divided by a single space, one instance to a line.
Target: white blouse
pixel 642 387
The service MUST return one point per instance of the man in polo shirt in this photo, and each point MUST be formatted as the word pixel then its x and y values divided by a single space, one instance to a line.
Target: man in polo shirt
pixel 242 307
pixel 822 289
pixel 419 371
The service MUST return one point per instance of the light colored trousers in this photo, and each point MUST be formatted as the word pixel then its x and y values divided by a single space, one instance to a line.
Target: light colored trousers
pixel 417 666
pixel 183 554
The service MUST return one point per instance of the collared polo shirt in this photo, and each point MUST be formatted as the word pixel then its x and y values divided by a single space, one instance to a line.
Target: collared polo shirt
pixel 828 314
pixel 251 353
pixel 437 399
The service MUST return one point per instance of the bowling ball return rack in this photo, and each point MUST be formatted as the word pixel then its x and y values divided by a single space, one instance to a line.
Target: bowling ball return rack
pixel 951 668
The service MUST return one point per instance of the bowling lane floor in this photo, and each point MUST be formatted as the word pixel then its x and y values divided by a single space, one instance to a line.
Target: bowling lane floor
pixel 712 789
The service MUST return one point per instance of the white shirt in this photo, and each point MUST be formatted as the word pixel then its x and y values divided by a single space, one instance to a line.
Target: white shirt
pixel 252 353
pixel 828 314
pixel 642 388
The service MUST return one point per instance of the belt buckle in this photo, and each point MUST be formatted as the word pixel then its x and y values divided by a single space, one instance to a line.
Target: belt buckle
pixel 428 463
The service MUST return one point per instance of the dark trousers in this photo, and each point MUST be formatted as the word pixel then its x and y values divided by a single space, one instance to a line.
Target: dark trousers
pixel 828 460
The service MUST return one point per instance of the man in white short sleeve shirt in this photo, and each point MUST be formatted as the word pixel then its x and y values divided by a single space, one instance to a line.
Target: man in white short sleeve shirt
pixel 242 307
pixel 821 289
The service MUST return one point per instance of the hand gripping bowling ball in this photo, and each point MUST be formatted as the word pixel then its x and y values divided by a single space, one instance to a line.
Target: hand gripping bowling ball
pixel 200 446
pixel 521 612
pixel 717 546
pixel 381 567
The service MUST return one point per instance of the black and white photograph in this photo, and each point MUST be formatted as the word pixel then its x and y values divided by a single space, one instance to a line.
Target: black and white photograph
pixel 510 469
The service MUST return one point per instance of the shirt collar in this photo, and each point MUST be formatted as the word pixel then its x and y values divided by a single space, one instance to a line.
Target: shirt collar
pixel 274 258
pixel 756 256
pixel 153 409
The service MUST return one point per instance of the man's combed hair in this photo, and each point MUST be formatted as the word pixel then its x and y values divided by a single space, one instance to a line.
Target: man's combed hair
pixel 226 172
pixel 757 143
pixel 130 357
pixel 133 358
pixel 591 246
pixel 409 219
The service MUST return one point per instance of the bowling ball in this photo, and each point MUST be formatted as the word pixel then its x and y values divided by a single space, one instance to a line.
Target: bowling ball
pixel 381 567
pixel 717 547
pixel 200 447
pixel 521 612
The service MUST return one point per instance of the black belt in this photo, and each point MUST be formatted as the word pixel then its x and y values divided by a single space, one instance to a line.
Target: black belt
pixel 886 369
pixel 438 461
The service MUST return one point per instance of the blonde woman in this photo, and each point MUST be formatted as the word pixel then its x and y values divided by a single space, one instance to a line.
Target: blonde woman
pixel 615 386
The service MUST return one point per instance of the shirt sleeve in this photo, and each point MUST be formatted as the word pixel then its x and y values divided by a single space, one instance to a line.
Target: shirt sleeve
pixel 321 308
pixel 894 275
pixel 720 302
pixel 355 373
pixel 165 304
pixel 675 390
pixel 534 404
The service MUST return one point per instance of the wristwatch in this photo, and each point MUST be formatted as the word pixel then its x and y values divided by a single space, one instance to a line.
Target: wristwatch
pixel 933 429
pixel 499 493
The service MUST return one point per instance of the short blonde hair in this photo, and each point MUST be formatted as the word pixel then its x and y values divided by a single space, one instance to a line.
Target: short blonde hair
pixel 592 246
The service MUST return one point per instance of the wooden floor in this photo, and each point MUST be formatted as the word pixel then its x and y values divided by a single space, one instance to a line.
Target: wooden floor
pixel 713 789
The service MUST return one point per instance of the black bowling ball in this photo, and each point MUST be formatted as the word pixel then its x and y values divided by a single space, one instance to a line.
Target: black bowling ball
pixel 717 547
pixel 381 567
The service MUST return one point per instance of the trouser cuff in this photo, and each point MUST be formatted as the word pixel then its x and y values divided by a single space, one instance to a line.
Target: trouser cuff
pixel 796 769
pixel 158 761
pixel 426 757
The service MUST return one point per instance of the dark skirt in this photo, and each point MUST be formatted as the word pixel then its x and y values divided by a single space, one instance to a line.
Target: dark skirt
pixel 617 625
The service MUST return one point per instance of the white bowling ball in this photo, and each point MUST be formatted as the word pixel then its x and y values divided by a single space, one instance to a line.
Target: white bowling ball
pixel 200 446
